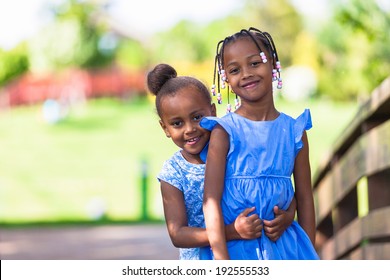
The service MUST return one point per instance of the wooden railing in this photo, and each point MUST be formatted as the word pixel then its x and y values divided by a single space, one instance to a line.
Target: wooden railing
pixel 352 189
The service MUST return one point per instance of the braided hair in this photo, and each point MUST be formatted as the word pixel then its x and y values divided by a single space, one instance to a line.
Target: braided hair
pixel 256 36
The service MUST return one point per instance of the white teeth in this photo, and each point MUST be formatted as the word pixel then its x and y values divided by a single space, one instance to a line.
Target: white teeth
pixel 193 139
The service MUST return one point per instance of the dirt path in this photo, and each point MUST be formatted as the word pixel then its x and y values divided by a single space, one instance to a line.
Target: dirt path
pixel 114 242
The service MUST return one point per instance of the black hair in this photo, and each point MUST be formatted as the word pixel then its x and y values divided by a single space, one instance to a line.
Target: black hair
pixel 256 36
pixel 163 81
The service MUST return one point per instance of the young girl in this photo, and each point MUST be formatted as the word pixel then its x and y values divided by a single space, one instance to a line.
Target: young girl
pixel 252 154
pixel 181 103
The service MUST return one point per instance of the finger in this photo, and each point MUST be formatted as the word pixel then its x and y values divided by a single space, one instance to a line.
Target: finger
pixel 267 222
pixel 258 222
pixel 247 211
pixel 271 223
pixel 278 211
pixel 272 229
pixel 273 236
pixel 253 218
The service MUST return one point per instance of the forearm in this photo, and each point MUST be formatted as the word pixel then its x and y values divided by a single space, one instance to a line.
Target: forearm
pixel 192 237
pixel 189 237
pixel 216 230
pixel 306 218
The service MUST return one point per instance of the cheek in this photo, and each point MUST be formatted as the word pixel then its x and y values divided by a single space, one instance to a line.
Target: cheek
pixel 206 133
pixel 232 80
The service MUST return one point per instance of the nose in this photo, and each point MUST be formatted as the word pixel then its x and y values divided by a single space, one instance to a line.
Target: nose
pixel 246 72
pixel 190 127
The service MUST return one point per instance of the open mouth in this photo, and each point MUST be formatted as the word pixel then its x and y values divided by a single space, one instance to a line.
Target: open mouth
pixel 193 141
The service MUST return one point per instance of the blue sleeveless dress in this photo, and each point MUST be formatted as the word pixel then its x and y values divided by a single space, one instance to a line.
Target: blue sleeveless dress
pixel 259 166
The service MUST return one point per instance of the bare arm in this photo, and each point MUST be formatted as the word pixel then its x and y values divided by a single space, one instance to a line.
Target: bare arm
pixel 213 188
pixel 181 234
pixel 303 190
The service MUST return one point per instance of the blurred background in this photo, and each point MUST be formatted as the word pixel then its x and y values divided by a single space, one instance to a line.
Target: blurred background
pixel 80 139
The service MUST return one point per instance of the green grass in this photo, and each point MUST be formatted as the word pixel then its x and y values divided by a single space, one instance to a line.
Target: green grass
pixel 51 173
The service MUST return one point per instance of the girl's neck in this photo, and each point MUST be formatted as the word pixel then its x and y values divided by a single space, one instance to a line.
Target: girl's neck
pixel 194 159
pixel 258 112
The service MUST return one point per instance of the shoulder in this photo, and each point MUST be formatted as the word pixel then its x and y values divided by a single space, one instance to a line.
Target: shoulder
pixel 226 122
pixel 172 165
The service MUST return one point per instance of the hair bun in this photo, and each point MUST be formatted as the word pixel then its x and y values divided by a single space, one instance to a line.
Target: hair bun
pixel 157 77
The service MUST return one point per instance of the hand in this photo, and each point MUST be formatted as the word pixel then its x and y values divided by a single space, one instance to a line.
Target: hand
pixel 248 227
pixel 275 228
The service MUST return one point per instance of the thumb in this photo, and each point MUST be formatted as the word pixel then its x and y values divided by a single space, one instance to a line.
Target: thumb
pixel 247 211
pixel 276 210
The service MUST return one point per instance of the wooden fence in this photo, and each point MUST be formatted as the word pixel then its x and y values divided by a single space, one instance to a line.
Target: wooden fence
pixel 352 189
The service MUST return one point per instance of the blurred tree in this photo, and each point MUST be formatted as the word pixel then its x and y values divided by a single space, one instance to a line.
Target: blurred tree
pixel 191 42
pixel 78 37
pixel 131 54
pixel 280 19
pixel 183 42
pixel 354 52
pixel 13 63
pixel 196 44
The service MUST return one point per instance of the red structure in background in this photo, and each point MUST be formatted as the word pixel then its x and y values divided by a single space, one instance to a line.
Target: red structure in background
pixel 73 84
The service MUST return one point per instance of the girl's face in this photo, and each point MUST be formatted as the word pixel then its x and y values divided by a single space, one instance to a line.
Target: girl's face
pixel 247 75
pixel 180 119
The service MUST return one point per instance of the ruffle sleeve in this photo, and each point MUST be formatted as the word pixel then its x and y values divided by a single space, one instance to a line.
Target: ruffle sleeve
pixel 209 123
pixel 302 123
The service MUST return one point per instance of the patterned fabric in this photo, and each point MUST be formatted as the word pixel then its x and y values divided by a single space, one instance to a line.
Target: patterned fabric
pixel 189 179
pixel 259 166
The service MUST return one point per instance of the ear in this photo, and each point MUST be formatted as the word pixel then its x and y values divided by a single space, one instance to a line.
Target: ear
pixel 164 127
pixel 213 110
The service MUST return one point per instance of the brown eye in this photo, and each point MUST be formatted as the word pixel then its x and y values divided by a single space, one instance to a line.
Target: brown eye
pixel 233 71
pixel 176 123
pixel 198 117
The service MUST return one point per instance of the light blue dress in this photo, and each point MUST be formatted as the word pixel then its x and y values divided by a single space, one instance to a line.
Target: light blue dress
pixel 259 166
pixel 189 179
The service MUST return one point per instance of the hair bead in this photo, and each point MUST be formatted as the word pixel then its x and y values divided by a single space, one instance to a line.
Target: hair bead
pixel 280 83
pixel 213 90
pixel 278 66
pixel 274 75
pixel 228 108
pixel 236 103
pixel 263 57
pixel 219 98
pixel 256 36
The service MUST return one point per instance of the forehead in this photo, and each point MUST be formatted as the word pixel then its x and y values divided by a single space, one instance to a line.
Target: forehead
pixel 241 47
pixel 184 101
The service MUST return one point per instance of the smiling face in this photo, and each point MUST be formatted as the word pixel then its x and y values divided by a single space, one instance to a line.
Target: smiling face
pixel 247 75
pixel 180 117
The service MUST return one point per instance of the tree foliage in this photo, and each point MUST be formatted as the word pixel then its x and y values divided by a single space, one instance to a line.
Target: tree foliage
pixel 75 39
pixel 13 63
pixel 350 53
pixel 354 50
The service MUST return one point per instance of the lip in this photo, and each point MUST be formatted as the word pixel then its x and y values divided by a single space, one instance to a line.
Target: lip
pixel 193 140
pixel 250 85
